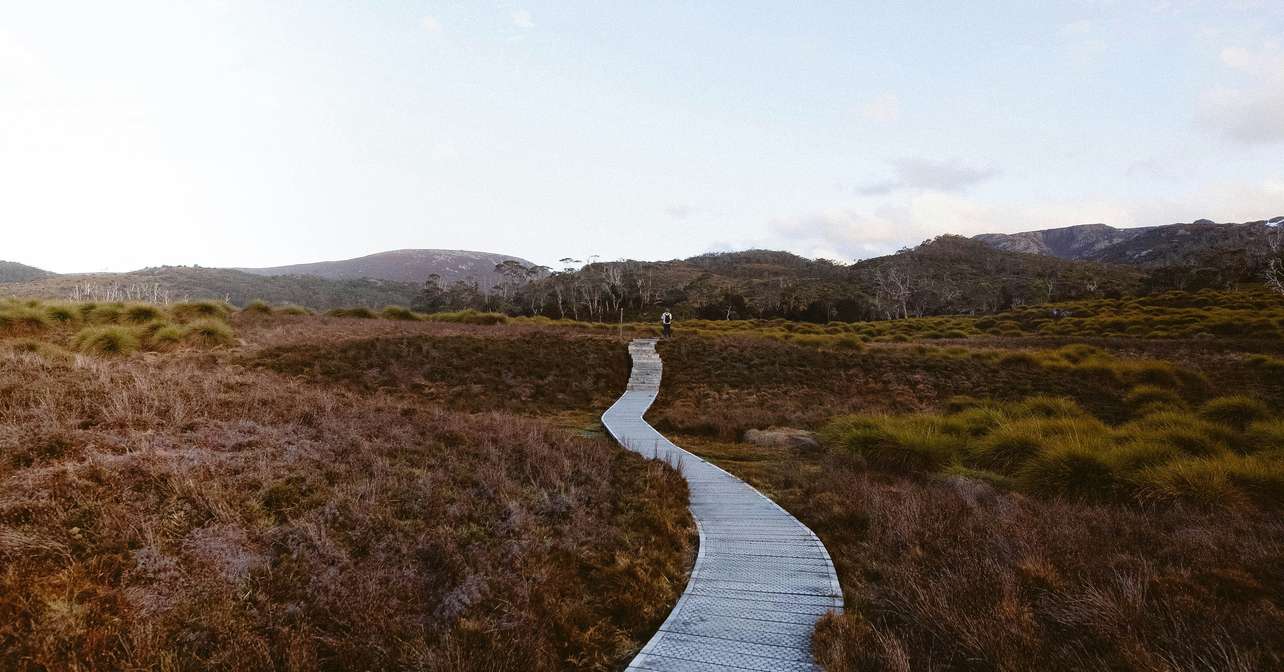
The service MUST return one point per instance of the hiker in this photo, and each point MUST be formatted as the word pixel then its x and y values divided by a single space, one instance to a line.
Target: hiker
pixel 667 320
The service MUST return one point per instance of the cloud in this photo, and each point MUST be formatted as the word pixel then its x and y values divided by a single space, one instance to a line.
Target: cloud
pixel 522 19
pixel 928 174
pixel 1082 41
pixel 679 211
pixel 856 232
pixel 1251 111
pixel 430 24
pixel 884 108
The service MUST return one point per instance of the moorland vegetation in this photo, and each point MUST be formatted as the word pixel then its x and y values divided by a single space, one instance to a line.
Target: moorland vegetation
pixel 169 501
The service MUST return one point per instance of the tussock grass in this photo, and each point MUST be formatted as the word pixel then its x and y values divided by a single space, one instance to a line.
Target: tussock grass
pixel 106 341
pixel 257 308
pixel 398 313
pixel 140 313
pixel 20 320
pixel 1051 447
pixel 197 310
pixel 470 317
pixel 209 333
pixel 1236 411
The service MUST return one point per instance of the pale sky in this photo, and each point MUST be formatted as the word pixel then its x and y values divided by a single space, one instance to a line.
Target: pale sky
pixel 228 133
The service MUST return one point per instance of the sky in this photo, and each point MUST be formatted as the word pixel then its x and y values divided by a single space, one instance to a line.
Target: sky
pixel 229 133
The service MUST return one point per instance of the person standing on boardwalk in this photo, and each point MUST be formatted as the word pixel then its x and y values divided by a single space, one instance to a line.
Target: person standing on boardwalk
pixel 666 319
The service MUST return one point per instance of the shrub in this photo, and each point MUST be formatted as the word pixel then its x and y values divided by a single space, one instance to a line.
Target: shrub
pixel 105 340
pixel 209 334
pixel 293 310
pixel 399 313
pixel 1237 411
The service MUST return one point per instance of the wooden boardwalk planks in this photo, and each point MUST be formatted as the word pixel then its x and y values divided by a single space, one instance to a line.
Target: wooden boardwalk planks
pixel 761 578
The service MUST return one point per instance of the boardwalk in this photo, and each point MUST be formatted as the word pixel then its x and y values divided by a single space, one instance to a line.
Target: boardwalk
pixel 761 579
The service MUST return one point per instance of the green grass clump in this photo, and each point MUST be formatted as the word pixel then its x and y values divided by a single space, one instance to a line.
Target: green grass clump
pixel 1144 399
pixel 476 317
pixel 21 320
pixel 1187 433
pixel 257 308
pixel 1232 452
pixel 63 313
pixel 198 310
pixel 140 313
pixel 293 310
pixel 903 444
pixel 209 334
pixel 1236 411
pixel 399 313
pixel 109 340
pixel 105 313
pixel 1072 469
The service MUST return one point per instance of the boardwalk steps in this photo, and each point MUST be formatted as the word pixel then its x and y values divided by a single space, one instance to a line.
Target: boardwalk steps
pixel 761 578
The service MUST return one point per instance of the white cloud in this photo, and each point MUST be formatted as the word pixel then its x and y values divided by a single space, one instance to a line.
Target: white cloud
pixel 929 174
pixel 1250 111
pixel 1083 41
pixel 522 19
pixel 430 24
pixel 679 211
pixel 885 107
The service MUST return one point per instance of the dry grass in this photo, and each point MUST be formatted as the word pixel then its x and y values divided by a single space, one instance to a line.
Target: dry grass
pixel 180 511
pixel 952 573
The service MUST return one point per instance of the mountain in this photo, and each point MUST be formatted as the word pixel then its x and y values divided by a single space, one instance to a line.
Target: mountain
pixel 11 271
pixel 1148 246
pixel 1071 242
pixel 412 266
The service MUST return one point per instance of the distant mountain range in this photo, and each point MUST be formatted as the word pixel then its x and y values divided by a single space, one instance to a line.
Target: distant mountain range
pixel 404 266
pixel 947 275
pixel 1147 246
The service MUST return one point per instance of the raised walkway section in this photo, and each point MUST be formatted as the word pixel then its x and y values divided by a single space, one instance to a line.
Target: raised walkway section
pixel 761 578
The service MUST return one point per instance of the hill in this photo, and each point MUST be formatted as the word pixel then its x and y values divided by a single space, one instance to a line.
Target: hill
pixel 949 274
pixel 413 266
pixel 174 283
pixel 11 271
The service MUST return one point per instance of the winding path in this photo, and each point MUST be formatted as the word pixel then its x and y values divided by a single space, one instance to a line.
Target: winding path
pixel 761 578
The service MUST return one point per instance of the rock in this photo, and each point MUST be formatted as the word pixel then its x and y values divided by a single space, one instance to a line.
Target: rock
pixel 782 437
